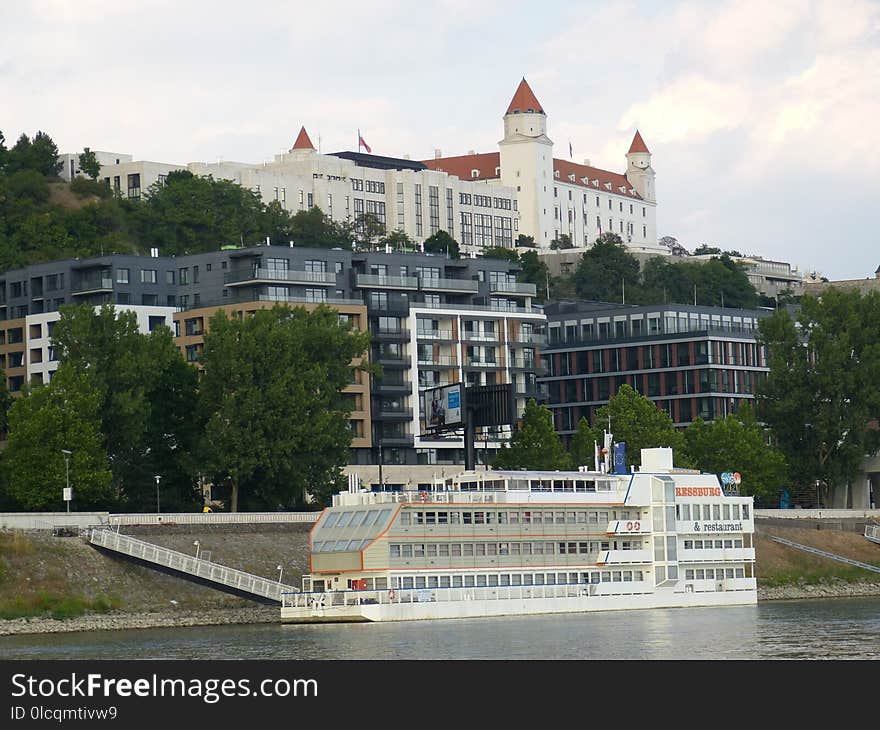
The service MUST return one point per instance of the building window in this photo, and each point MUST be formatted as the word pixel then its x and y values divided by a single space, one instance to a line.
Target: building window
pixel 148 276
pixel 134 186
pixel 122 276
pixel 183 276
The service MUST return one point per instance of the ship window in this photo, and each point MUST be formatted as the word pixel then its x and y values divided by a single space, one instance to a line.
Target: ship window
pixel 685 512
pixel 358 518
pixel 570 517
pixel 420 518
pixel 527 579
pixel 502 518
pixel 593 518
pixel 469 581
pixel 550 579
pixel 480 549
pixel 688 544
pixel 418 550
pixel 700 574
pixel 407 582
pixel 737 543
pixel 616 576
pixel 728 543
pixel 539 579
pixel 430 518
pixel 431 550
pixel 331 519
pixel 504 548
pixel 442 518
pixel 504 579
pixel 560 518
pixel 491 548
pixel 719 544
pixel 527 548
pixel 698 544
pixel 740 573
pixel 371 517
pixel 383 516
pixel 537 518
pixel 515 579
pixel 317 547
pixel 538 548
pixel 716 511
pixel 432 581
pixel 514 548
pixel 456 581
pixel 479 518
pixel 467 518
pixel 454 518
pixel 688 574
pixel 725 510
pixel 344 519
pixel 710 573
pixel 605 545
pixel 444 581
pixel 406 551
pixel 356 544
pixel 513 517
pixel 490 518
pixel 341 545
pixel 467 550
pixel 394 551
pixel 481 581
pixel 728 572
pixel 707 511
pixel 582 518
pixel 735 511
pixel 745 512
pixel 455 550
pixel 583 548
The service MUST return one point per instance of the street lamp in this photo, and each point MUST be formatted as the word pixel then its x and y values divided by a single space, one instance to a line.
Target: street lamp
pixel 196 543
pixel 67 475
pixel 157 478
pixel 818 500
pixel 280 571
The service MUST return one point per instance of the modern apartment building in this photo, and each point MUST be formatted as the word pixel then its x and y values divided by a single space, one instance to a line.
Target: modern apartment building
pixel 434 321
pixel 692 361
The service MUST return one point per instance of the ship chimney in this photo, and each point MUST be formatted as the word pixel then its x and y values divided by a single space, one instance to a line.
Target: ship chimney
pixel 437 154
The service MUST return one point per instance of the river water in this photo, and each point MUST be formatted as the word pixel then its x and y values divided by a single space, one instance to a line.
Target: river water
pixel 838 628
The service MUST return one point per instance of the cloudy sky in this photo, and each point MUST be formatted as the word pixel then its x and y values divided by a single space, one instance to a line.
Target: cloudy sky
pixel 762 117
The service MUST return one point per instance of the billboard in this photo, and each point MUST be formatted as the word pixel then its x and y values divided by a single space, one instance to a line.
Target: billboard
pixel 442 408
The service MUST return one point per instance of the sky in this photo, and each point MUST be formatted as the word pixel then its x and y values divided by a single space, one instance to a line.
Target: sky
pixel 762 117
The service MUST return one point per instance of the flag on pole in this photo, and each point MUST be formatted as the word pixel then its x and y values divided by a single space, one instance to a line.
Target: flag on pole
pixel 363 144
pixel 570 150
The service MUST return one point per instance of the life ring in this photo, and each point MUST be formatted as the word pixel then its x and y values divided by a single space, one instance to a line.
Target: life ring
pixel 423 496
pixel 391 595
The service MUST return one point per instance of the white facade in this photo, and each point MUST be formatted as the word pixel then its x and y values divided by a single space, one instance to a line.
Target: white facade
pixel 133 179
pixel 418 202
pixel 559 197
pixel 70 162
pixel 41 359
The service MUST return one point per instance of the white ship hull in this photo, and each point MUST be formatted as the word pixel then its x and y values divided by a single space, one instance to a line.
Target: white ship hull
pixel 480 608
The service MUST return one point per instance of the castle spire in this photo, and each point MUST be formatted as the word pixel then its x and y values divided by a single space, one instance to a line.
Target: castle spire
pixel 302 141
pixel 638 144
pixel 524 100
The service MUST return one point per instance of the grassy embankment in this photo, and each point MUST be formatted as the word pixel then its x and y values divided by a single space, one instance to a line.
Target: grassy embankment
pixel 43 576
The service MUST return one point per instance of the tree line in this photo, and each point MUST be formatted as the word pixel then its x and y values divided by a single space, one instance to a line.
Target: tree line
pixel 266 422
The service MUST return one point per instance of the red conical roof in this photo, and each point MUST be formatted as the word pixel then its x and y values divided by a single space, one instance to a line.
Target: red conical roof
pixel 302 141
pixel 638 144
pixel 524 100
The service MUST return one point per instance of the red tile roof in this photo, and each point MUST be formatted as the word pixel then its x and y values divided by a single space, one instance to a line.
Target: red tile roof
pixel 302 141
pixel 462 166
pixel 584 175
pixel 524 100
pixel 638 144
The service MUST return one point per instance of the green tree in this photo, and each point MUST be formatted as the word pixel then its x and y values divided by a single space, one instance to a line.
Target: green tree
pixel 820 398
pixel 147 399
pixel 499 252
pixel 61 415
pixel 737 443
pixel 40 155
pixel 524 241
pixel 562 241
pixel 367 230
pixel 3 152
pixel 535 445
pixel 442 242
pixel 534 271
pixel 641 424
pixel 607 271
pixel 704 249
pixel 275 419
pixel 582 449
pixel 89 164
pixel 399 242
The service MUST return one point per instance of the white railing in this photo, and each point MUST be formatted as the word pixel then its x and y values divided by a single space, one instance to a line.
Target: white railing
pixel 205 569
pixel 212 518
pixel 872 532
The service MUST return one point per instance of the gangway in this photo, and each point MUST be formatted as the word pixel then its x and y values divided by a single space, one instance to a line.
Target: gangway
pixel 872 532
pixel 187 564
pixel 824 554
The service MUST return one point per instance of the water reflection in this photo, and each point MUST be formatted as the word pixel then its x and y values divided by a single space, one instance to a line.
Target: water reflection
pixel 814 629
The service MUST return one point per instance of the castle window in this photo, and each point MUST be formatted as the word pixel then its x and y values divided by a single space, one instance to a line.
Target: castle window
pixel 475 173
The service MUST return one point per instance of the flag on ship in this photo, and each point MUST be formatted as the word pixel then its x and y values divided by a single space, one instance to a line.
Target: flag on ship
pixel 363 144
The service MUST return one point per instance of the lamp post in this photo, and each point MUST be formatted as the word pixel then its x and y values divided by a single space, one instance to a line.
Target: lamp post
pixel 280 571
pixel 67 475
pixel 196 543
pixel 157 478
pixel 818 500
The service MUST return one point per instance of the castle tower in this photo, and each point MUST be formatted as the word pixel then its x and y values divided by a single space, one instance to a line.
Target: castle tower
pixel 639 172
pixel 526 158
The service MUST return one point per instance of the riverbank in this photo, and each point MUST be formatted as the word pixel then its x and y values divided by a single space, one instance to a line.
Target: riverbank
pixel 37 570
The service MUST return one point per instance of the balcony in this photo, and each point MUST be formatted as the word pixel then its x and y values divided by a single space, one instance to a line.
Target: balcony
pixel 273 276
pixel 450 285
pixel 383 335
pixel 512 287
pixel 625 557
pixel 389 413
pixel 374 281
pixel 92 285
pixel 434 334
pixel 480 337
pixel 534 338
pixel 475 362
pixel 538 392
pixel 439 361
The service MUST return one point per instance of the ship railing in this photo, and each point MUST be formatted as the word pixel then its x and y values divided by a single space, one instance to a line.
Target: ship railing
pixel 331 599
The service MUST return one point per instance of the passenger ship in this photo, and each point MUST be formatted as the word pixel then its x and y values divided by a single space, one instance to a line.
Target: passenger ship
pixel 495 543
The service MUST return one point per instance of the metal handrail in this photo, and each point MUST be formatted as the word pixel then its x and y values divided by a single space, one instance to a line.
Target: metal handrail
pixel 205 569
